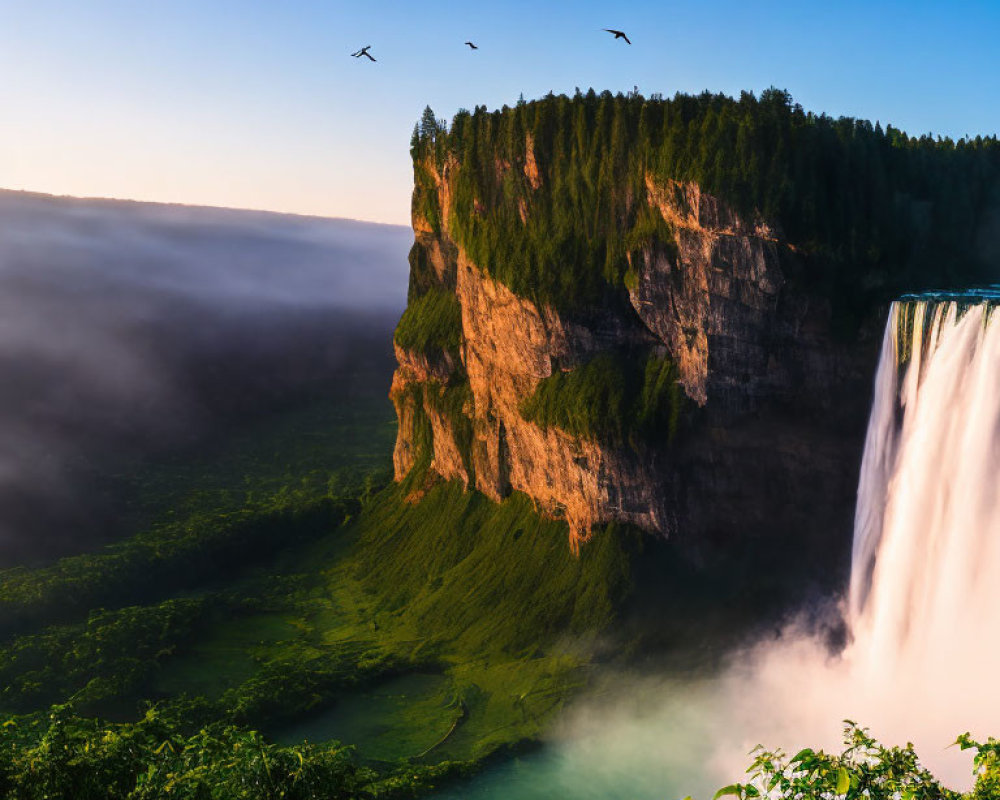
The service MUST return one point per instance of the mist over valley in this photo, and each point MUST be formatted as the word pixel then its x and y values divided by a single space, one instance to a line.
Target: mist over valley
pixel 129 330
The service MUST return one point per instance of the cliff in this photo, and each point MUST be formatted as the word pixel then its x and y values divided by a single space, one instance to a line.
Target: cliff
pixel 698 387
pixel 770 395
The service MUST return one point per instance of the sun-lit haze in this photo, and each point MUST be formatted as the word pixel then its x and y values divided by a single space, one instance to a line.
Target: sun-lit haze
pixel 258 105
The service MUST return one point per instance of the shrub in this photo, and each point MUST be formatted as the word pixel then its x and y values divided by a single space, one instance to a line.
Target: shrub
pixel 612 398
pixel 431 324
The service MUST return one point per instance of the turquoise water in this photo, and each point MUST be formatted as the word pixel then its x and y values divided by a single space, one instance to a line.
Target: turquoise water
pixel 647 740
pixel 553 773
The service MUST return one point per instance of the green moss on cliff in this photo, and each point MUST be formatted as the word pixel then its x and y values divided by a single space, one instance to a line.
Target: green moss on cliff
pixel 612 398
pixel 486 577
pixel 431 324
pixel 425 203
pixel 422 439
pixel 452 402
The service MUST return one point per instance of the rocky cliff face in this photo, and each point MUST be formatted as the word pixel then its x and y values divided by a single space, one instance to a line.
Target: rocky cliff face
pixel 770 437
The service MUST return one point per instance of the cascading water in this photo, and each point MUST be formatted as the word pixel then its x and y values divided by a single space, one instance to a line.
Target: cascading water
pixel 923 605
pixel 925 584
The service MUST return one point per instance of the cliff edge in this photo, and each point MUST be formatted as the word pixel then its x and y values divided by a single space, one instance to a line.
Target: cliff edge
pixel 622 345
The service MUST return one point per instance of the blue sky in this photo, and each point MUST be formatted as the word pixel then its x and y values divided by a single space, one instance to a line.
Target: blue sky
pixel 258 105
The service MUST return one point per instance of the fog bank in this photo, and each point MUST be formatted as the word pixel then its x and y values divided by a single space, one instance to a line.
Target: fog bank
pixel 131 328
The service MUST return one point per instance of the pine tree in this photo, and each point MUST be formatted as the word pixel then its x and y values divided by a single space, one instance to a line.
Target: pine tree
pixel 428 125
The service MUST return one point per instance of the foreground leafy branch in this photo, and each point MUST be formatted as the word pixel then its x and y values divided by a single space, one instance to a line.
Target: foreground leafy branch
pixel 865 769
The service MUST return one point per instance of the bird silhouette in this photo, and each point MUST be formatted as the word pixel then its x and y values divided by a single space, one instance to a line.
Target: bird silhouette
pixel 472 46
pixel 618 34
pixel 364 52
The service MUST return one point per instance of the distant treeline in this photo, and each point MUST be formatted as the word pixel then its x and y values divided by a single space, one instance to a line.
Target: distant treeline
pixel 550 196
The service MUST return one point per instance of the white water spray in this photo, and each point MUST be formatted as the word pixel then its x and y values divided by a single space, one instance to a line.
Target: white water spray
pixel 925 584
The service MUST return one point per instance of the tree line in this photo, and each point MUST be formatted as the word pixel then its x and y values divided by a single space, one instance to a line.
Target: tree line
pixel 550 196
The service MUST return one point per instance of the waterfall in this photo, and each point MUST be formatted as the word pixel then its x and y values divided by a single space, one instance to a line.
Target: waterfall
pixel 925 583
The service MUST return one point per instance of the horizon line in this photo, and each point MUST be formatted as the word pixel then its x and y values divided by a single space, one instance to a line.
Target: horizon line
pixel 197 206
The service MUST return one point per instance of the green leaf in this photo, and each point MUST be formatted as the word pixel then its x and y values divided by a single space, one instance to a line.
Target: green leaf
pixel 734 790
pixel 843 780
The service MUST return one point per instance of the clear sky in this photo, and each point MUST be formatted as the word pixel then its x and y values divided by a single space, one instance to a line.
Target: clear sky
pixel 257 104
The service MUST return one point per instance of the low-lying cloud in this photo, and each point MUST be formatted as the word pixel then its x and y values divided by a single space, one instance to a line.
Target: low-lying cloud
pixel 129 328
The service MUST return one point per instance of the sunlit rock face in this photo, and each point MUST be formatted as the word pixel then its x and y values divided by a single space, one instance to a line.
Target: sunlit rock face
pixel 775 407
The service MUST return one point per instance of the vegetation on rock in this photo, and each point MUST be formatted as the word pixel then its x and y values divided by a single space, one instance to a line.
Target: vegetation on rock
pixel 865 769
pixel 431 323
pixel 613 398
pixel 550 197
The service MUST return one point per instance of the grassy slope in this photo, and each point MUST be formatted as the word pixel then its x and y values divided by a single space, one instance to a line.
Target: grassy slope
pixel 271 585
pixel 454 609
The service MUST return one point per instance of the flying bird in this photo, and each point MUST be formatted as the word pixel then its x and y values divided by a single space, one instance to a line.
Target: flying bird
pixel 619 35
pixel 364 52
pixel 472 46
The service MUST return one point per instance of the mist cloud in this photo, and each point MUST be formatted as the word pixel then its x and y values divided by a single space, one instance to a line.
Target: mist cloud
pixel 129 328
pixel 666 736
